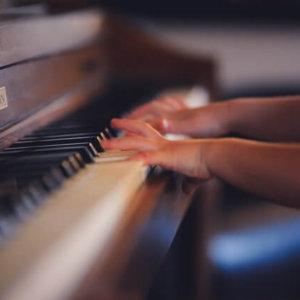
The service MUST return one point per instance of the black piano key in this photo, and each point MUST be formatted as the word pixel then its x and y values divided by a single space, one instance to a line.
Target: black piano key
pixel 95 141
pixel 66 130
pixel 36 137
pixel 41 163
pixel 34 192
pixel 67 169
pixel 79 159
pixel 69 150
pixel 21 148
pixel 7 226
pixel 49 182
pixel 110 133
pixel 43 160
pixel 6 158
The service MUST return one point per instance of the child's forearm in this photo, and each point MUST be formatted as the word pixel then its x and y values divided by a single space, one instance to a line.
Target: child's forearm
pixel 266 169
pixel 270 119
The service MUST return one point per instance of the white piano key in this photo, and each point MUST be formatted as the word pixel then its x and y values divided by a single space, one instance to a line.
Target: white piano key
pixel 54 250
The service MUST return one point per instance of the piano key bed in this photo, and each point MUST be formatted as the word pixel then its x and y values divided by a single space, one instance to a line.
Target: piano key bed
pixel 51 181
pixel 38 164
pixel 76 222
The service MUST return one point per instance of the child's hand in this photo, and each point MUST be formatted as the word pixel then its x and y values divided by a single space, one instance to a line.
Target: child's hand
pixel 186 157
pixel 157 108
pixel 171 115
pixel 205 122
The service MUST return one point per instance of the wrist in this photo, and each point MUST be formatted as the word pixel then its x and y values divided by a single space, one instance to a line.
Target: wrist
pixel 214 120
pixel 208 145
pixel 227 116
pixel 235 115
pixel 209 149
pixel 214 154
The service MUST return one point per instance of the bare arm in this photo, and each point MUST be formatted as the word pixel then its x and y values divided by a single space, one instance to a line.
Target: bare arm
pixel 265 169
pixel 271 119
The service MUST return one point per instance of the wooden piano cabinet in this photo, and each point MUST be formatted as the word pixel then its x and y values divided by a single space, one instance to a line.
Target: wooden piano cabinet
pixel 26 38
pixel 162 226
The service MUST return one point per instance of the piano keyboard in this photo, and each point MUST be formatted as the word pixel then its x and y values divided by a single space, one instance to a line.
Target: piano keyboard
pixel 35 166
pixel 38 164
pixel 59 192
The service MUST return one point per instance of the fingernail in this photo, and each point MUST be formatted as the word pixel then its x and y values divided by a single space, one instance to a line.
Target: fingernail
pixel 164 124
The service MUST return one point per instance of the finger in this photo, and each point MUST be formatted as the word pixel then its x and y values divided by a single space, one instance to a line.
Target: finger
pixel 130 134
pixel 165 157
pixel 175 102
pixel 130 143
pixel 155 123
pixel 168 160
pixel 152 109
pixel 136 127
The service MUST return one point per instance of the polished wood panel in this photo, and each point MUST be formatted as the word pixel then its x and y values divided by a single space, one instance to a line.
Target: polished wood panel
pixel 136 54
pixel 27 38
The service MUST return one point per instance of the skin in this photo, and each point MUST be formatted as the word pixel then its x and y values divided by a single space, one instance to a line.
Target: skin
pixel 157 108
pixel 270 170
pixel 268 119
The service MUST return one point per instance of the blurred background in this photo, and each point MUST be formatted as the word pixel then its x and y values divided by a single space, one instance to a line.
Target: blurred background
pixel 255 43
pixel 254 247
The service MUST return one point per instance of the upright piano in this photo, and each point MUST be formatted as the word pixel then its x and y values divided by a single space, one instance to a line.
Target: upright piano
pixel 77 223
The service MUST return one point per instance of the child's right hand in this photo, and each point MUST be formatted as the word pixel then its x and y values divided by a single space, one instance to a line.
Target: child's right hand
pixel 169 115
